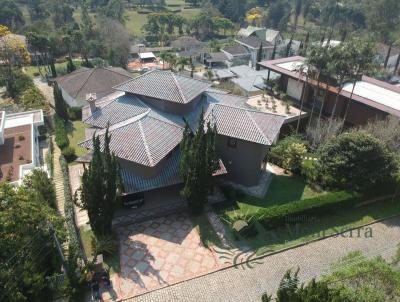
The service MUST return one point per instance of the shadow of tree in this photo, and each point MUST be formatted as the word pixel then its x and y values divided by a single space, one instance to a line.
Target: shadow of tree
pixel 141 265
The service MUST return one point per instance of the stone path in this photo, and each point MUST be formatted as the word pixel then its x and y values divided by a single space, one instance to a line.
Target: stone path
pixel 45 89
pixel 160 252
pixel 75 174
pixel 58 179
pixel 247 282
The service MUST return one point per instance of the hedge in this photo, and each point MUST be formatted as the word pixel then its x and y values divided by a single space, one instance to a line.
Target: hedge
pixel 62 139
pixel 322 205
pixel 69 211
pixel 278 215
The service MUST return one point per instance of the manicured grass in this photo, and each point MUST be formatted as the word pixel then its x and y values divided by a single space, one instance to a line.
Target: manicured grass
pixel 76 134
pixel 283 189
pixel 207 235
pixel 110 262
pixel 292 234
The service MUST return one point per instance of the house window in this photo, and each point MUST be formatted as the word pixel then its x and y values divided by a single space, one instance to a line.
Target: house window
pixel 232 142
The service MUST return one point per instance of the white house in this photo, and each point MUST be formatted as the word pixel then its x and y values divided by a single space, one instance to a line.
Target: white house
pixel 19 144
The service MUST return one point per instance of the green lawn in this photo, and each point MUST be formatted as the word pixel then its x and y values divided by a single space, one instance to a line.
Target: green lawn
pixel 293 234
pixel 76 134
pixel 283 189
pixel 286 189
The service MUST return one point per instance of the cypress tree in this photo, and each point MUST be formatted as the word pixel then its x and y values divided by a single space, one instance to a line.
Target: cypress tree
pixel 60 105
pixel 100 187
pixel 259 56
pixel 198 163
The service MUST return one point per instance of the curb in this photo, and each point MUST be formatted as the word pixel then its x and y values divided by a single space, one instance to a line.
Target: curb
pixel 268 255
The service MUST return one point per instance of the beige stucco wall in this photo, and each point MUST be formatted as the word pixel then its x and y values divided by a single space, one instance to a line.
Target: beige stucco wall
pixel 243 163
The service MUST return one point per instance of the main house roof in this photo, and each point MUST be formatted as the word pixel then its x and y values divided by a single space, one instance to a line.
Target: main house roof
pixel 99 80
pixel 165 85
pixel 145 135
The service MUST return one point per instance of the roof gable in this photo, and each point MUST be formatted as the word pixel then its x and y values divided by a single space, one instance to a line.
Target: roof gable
pixel 145 140
pixel 165 85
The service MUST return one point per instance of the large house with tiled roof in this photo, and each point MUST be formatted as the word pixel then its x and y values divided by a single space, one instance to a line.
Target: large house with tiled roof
pixel 147 117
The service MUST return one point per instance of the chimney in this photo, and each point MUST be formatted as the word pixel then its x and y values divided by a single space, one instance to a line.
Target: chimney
pixel 91 99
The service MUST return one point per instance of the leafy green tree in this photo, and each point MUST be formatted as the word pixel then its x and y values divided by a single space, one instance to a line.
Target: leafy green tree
pixel 100 187
pixel 44 187
pixel 198 163
pixel 355 161
pixel 27 249
pixel 10 14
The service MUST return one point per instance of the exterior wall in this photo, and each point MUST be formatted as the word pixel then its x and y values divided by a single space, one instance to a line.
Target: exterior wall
pixel 243 163
pixel 171 107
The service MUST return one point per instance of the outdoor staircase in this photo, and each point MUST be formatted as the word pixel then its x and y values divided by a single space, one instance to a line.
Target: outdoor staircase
pixel 59 186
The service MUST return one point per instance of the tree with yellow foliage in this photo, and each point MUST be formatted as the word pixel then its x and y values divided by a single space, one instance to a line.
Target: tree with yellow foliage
pixel 13 55
pixel 254 16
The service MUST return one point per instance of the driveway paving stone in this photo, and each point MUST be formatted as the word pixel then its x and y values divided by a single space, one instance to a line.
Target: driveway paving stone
pixel 247 282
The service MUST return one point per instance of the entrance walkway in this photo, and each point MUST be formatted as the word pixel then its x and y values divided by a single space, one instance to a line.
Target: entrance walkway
pixel 247 282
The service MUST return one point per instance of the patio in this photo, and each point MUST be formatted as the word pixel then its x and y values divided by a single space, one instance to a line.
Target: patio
pixel 160 252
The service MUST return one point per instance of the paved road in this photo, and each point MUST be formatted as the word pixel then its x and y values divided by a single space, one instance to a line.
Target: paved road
pixel 247 285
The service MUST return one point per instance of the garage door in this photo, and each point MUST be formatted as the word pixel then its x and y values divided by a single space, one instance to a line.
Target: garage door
pixel 294 89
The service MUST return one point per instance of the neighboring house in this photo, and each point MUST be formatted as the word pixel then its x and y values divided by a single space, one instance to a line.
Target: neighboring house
pixel 19 144
pixel 371 98
pixel 237 54
pixel 216 59
pixel 146 120
pixel 76 85
pixel 253 37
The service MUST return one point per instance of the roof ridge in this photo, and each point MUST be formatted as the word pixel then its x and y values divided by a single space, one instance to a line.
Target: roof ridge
pixel 179 89
pixel 133 79
pixel 146 146
pixel 84 83
pixel 251 110
pixel 114 71
pixel 258 127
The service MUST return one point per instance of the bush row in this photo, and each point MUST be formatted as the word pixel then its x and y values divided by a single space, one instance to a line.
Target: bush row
pixel 62 139
pixel 69 209
pixel 276 216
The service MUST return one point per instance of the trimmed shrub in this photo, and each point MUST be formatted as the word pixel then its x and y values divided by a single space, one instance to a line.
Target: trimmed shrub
pixel 309 171
pixel 62 139
pixel 69 153
pixel 75 113
pixel 278 152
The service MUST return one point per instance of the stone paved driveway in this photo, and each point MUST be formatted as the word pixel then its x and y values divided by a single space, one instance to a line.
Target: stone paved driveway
pixel 160 252
pixel 247 283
